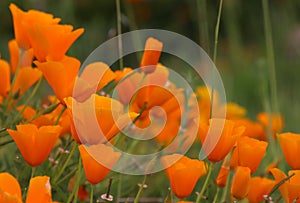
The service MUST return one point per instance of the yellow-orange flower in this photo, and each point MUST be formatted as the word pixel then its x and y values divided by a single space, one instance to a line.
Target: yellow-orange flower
pixel 228 134
pixel 35 144
pixel 40 31
pixel 275 120
pixel 97 161
pixel 5 78
pixel 39 190
pixel 249 152
pixel 183 174
pixel 252 129
pixel 290 145
pixel 18 56
pixel 241 182
pixel 151 55
pixel 290 189
pixel 110 118
pixel 258 188
pixel 122 73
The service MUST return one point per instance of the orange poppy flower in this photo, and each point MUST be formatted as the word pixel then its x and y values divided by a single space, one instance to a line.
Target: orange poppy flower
pixel 16 54
pixel 249 152
pixel 252 129
pixel 97 166
pixel 152 51
pixel 35 144
pixel 290 145
pixel 183 174
pixel 39 190
pixel 227 138
pixel 290 189
pixel 122 73
pixel 26 77
pixel 5 78
pixel 276 121
pixel 222 176
pixel 258 188
pixel 241 182
pixel 60 75
pixel 110 117
pixel 41 31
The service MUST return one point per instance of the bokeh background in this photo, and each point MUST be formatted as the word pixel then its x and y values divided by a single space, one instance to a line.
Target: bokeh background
pixel 241 50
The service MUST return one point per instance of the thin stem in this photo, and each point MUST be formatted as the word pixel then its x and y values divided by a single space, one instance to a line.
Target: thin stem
pixel 216 51
pixel 108 188
pixel 203 24
pixel 76 187
pixel 60 115
pixel 225 191
pixel 200 195
pixel 119 187
pixel 270 55
pixel 92 193
pixel 34 91
pixel 119 31
pixel 217 195
pixel 32 172
pixel 65 163
pixel 136 200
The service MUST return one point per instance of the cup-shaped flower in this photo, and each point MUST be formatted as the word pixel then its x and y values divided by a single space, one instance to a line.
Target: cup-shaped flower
pixel 97 161
pixel 151 55
pixel 39 190
pixel 183 174
pixel 223 135
pixel 258 188
pixel 40 31
pixel 241 182
pixel 249 152
pixel 35 144
pixel 290 145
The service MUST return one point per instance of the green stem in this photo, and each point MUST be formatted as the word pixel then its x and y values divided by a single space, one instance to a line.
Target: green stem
pixel 92 193
pixel 225 191
pixel 60 115
pixel 74 144
pixel 217 195
pixel 270 55
pixel 119 31
pixel 32 172
pixel 136 200
pixel 203 24
pixel 200 195
pixel 34 91
pixel 76 187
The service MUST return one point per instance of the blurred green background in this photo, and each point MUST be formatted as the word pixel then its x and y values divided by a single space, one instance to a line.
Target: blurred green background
pixel 241 51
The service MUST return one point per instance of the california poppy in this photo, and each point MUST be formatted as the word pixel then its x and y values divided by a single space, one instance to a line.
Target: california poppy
pixel 153 48
pixel 183 173
pixel 5 78
pixel 223 136
pixel 39 190
pixel 290 189
pixel 40 31
pixel 222 176
pixel 275 120
pixel 249 152
pixel 290 145
pixel 258 188
pixel 110 117
pixel 241 182
pixel 252 129
pixel 35 144
pixel 97 161
pixel 19 57
pixel 122 73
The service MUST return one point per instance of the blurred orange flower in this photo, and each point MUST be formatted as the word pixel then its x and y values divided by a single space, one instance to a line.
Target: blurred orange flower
pixel 97 161
pixel 183 174
pixel 290 189
pixel 222 176
pixel 40 31
pixel 152 51
pixel 5 78
pixel 252 129
pixel 228 134
pixel 35 144
pixel 276 122
pixel 258 188
pixel 290 145
pixel 241 182
pixel 39 190
pixel 248 152
pixel 122 73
